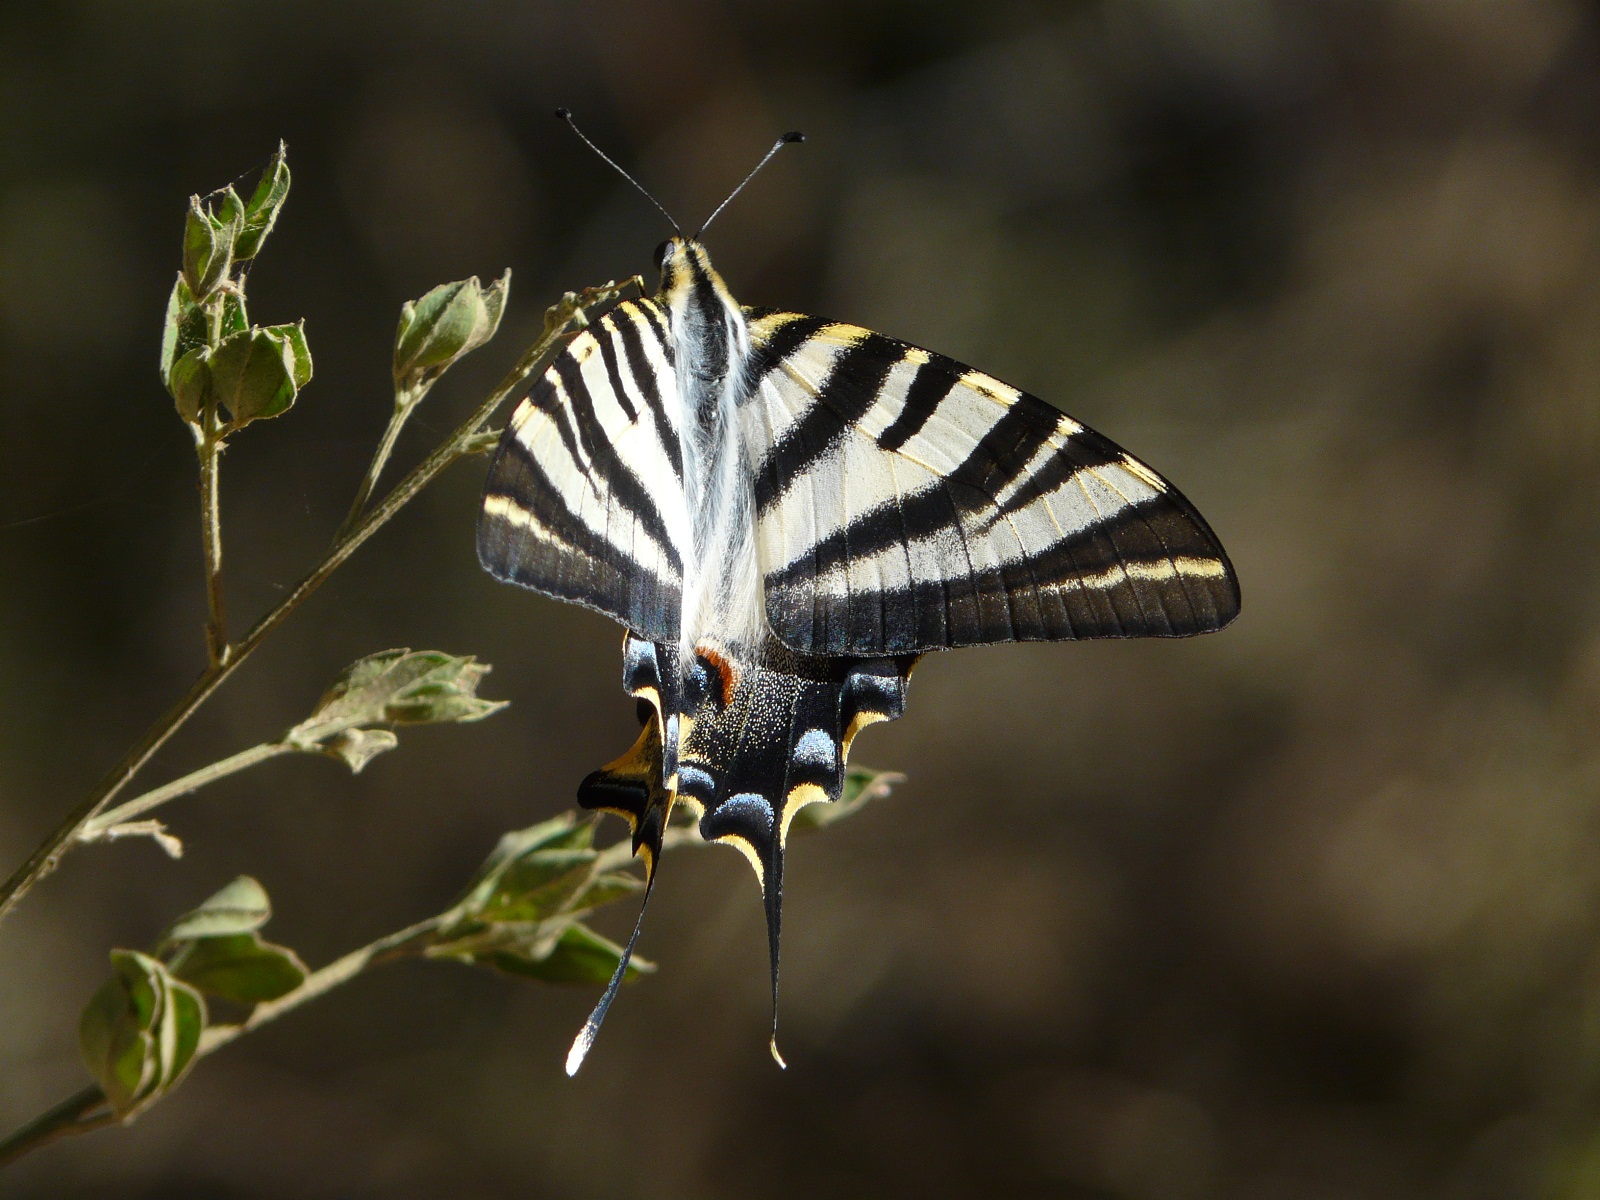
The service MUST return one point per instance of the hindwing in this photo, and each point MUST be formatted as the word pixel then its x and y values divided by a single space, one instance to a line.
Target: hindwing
pixel 585 499
pixel 908 503
pixel 746 744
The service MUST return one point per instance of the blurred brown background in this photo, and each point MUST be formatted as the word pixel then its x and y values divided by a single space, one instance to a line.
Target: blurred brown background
pixel 1307 910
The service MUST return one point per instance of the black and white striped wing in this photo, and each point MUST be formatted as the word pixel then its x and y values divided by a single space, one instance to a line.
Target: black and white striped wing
pixel 585 498
pixel 906 503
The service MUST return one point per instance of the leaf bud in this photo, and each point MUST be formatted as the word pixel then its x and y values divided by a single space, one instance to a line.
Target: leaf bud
pixel 443 326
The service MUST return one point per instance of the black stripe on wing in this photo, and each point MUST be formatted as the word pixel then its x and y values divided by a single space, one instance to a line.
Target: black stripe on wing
pixel 653 387
pixel 908 503
pixel 584 499
pixel 852 388
pixel 929 386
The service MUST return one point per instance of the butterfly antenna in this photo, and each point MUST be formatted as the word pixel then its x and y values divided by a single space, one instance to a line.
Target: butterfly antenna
pixel 591 1027
pixel 565 114
pixel 785 140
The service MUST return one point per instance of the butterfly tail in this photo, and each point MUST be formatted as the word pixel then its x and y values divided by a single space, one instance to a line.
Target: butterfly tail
pixel 771 744
pixel 772 901
pixel 591 1027
pixel 631 788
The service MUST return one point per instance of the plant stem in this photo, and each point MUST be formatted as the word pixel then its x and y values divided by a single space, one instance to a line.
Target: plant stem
pixel 406 943
pixel 82 1112
pixel 405 403
pixel 182 787
pixel 211 542
pixel 209 448
pixel 44 859
pixel 67 1119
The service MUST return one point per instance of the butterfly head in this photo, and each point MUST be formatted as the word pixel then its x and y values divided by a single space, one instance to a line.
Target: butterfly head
pixel 688 280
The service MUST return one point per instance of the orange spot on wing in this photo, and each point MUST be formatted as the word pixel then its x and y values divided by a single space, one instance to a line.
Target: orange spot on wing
pixel 727 674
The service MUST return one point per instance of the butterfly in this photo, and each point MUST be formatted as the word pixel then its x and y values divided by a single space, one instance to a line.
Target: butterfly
pixel 785 512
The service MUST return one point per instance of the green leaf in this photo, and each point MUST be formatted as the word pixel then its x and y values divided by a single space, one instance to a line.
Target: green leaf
pixel 208 247
pixel 185 346
pixel 139 1032
pixel 184 1021
pixel 113 1039
pixel 261 214
pixel 607 889
pixel 257 373
pixel 230 212
pixel 398 687
pixel 862 785
pixel 579 955
pixel 299 353
pixel 241 907
pixel 234 319
pixel 488 890
pixel 216 947
pixel 240 967
pixel 449 322
pixel 183 330
pixel 190 384
pixel 536 885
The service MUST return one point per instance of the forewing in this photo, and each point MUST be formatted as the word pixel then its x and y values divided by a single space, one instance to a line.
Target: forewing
pixel 585 500
pixel 907 503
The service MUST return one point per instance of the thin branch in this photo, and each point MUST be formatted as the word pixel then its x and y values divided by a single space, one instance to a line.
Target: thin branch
pixel 191 782
pixel 405 943
pixel 211 542
pixel 86 1111
pixel 405 403
pixel 43 860
pixel 209 447
pixel 81 1112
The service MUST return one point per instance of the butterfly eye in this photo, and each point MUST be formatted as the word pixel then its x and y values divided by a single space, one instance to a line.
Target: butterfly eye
pixel 663 253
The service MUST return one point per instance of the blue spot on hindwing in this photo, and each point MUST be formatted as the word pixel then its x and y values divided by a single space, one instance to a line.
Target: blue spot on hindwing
pixel 696 783
pixel 747 814
pixel 816 748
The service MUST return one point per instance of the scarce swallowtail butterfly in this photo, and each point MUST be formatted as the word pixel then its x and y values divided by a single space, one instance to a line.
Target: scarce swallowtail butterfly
pixel 785 512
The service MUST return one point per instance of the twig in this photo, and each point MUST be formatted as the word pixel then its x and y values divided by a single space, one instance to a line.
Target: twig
pixel 405 403
pixel 86 1111
pixel 209 445
pixel 193 781
pixel 211 542
pixel 43 860
pixel 81 1112
pixel 406 943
